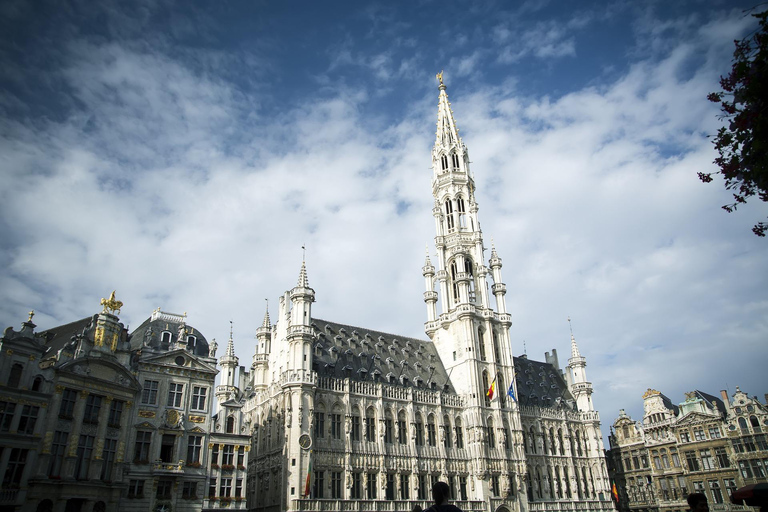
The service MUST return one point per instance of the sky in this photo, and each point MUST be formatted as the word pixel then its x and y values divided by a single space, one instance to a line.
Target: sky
pixel 182 153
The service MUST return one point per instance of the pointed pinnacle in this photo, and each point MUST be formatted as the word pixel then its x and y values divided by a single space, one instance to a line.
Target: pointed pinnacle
pixel 303 281
pixel 266 322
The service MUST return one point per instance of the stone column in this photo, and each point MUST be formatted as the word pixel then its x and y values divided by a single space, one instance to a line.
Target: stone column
pixel 68 469
pixel 97 462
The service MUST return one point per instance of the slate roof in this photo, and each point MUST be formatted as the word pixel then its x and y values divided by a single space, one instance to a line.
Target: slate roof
pixel 541 384
pixel 58 337
pixel 712 400
pixel 668 404
pixel 362 354
pixel 137 337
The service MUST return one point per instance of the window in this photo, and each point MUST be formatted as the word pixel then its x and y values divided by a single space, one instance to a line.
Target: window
pixel 431 437
pixel 336 485
pixel 685 437
pixel 463 488
pixel 108 457
pixel 730 485
pixel 92 408
pixel 149 392
pixel 215 454
pixel 455 159
pixel 402 432
pixel 58 450
pixel 404 490
pixel 760 442
pixel 230 425
pixel 722 457
pixel 355 428
pixel 194 449
pixel 459 436
pixel 14 379
pixel 225 490
pixel 390 490
pixel 319 425
pixel 174 394
pixel 335 425
pixel 241 456
pixel 189 490
pixel 15 468
pixel 239 488
pixel 115 413
pixel 28 419
pixel 388 431
pixel 675 459
pixel 84 453
pixel 449 214
pixel 198 398
pixel 698 435
pixel 707 462
pixel 6 415
pixel 228 455
pixel 168 448
pixel 141 449
pixel 419 432
pixel 318 486
pixel 136 489
pixel 693 463
pixel 164 489
pixel 746 472
pixel 717 494
pixel 495 485
pixel 714 432
pixel 491 436
pixel 370 429
pixel 67 406
pixel 444 162
pixel 212 488
pixel 422 491
pixel 370 486
pixel 356 491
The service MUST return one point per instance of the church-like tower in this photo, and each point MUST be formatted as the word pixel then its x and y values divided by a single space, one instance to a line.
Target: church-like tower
pixel 471 333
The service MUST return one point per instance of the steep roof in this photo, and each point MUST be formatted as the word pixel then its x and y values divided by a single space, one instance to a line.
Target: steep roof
pixel 58 337
pixel 343 351
pixel 541 384
pixel 153 337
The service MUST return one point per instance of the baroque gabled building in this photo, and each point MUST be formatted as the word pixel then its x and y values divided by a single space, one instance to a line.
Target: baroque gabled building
pixel 345 412
pixel 708 444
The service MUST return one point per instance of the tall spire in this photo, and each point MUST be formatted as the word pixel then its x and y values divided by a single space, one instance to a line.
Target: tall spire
pixel 230 353
pixel 447 134
pixel 303 281
pixel 266 322
pixel 574 347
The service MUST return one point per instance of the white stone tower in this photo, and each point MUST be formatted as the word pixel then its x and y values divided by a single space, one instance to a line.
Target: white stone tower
pixel 471 338
pixel 229 363
pixel 576 376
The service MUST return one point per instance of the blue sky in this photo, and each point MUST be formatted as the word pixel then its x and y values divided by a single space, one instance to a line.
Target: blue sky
pixel 182 153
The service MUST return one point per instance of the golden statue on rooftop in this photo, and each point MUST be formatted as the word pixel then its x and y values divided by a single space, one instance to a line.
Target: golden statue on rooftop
pixel 439 77
pixel 111 305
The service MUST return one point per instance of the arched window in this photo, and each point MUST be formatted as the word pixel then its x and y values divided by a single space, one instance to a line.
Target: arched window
pixel 431 433
pixel 481 344
pixel 500 389
pixel 742 421
pixel 444 162
pixel 447 432
pixel 14 379
pixel 468 269
pixel 755 423
pixel 491 434
pixel 166 337
pixel 496 352
pixel 455 159
pixel 462 212
pixel 419 430
pixel 485 388
pixel 230 424
pixel 37 383
pixel 454 284
pixel 449 215
pixel 459 434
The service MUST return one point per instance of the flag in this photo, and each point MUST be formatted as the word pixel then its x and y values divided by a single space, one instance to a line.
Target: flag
pixel 491 390
pixel 309 475
pixel 615 495
pixel 511 392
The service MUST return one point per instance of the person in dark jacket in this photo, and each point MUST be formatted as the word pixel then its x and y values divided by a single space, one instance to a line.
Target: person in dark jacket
pixel 440 495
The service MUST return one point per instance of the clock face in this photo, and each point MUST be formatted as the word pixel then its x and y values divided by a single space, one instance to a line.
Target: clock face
pixel 305 441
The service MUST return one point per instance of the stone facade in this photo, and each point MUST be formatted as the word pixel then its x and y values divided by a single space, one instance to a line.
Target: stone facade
pixel 706 444
pixel 339 412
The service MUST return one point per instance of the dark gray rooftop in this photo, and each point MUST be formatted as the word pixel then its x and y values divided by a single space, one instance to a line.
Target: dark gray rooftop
pixel 150 333
pixel 541 384
pixel 345 351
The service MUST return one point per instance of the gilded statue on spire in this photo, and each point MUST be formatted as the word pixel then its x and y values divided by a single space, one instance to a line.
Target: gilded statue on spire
pixel 439 77
pixel 111 305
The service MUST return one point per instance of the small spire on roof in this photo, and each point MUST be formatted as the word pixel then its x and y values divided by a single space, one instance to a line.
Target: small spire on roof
pixel 266 322
pixel 303 281
pixel 230 344
pixel 574 347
